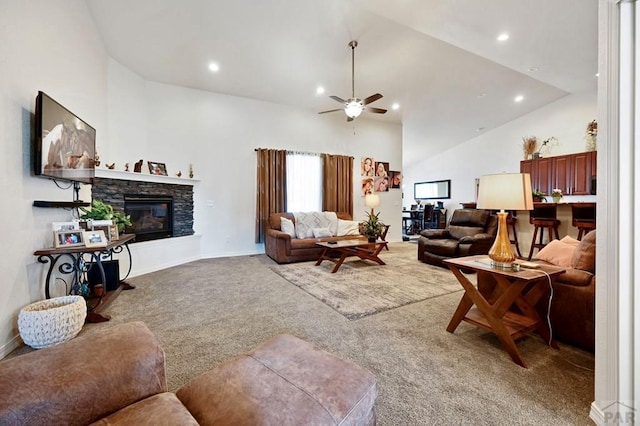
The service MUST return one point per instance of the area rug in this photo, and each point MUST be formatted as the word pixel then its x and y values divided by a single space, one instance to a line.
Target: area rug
pixel 361 288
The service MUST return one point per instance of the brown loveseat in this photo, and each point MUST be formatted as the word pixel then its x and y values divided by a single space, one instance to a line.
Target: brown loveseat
pixel 470 232
pixel 282 248
pixel 117 376
pixel 572 310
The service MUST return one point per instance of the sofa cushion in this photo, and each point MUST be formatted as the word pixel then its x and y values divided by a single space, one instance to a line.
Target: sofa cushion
pixel 557 253
pixel 584 257
pixel 163 408
pixel 348 227
pixel 321 232
pixel 286 225
pixel 459 232
pixel 441 247
pixel 306 221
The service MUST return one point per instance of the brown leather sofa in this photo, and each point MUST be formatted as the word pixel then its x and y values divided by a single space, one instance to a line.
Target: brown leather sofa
pixel 572 312
pixel 282 248
pixel 117 376
pixel 470 232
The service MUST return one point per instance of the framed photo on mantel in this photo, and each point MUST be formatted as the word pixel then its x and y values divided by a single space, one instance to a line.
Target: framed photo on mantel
pixel 159 169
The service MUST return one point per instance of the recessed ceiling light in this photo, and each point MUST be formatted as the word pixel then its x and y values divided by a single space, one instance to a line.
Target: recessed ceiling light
pixel 597 74
pixel 479 129
pixel 503 37
pixel 395 106
pixel 319 90
pixel 519 98
pixel 214 67
pixel 481 95
pixel 534 69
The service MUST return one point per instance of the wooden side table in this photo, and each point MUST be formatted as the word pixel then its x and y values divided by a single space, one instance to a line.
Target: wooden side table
pixel 76 261
pixel 523 288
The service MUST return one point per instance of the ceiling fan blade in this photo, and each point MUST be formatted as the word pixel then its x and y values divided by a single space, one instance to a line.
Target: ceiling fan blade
pixel 375 110
pixel 371 98
pixel 336 98
pixel 331 110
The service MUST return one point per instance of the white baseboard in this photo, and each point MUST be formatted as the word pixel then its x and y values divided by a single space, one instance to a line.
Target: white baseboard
pixel 10 346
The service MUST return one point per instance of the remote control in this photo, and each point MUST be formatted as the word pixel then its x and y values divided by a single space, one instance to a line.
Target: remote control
pixel 529 265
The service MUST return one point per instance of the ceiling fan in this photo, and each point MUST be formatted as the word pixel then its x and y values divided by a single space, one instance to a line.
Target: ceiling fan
pixel 353 106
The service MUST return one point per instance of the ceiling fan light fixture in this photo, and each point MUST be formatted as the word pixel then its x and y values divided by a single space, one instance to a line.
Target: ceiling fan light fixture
pixel 353 108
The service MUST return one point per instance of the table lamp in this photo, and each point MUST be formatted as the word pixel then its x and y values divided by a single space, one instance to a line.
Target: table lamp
pixel 505 191
pixel 372 201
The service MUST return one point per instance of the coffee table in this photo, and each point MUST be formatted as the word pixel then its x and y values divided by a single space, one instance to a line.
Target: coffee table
pixel 361 248
pixel 523 288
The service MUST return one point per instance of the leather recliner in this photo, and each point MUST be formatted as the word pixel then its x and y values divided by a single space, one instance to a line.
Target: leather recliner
pixel 470 232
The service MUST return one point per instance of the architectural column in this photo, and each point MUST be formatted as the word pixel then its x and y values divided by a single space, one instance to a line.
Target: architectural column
pixel 617 322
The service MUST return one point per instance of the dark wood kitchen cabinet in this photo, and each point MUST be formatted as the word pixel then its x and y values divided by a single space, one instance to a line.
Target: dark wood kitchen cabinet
pixel 570 173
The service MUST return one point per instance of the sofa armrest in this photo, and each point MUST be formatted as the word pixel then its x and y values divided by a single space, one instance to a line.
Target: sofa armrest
pixel 576 277
pixel 84 379
pixel 435 233
pixel 470 239
pixel 276 233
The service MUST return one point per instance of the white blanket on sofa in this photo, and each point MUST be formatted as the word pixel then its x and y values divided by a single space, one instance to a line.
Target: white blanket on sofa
pixel 307 221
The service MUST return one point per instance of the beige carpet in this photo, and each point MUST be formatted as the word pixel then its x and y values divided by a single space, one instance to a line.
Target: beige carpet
pixel 362 287
pixel 209 311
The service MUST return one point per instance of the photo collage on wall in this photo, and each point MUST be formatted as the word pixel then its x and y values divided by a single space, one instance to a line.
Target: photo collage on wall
pixel 376 176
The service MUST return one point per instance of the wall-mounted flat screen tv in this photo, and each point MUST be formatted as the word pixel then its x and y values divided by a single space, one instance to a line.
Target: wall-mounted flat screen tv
pixel 65 145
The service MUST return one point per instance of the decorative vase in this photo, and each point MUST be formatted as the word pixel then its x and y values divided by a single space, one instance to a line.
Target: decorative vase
pixel 556 199
pixel 372 238
pixel 592 142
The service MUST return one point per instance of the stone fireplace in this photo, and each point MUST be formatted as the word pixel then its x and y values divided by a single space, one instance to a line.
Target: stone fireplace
pixel 151 216
pixel 158 210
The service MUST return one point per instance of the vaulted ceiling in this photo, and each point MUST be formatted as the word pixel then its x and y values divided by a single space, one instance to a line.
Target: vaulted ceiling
pixel 438 59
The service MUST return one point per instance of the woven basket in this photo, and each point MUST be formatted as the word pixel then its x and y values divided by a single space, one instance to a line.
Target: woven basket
pixel 52 321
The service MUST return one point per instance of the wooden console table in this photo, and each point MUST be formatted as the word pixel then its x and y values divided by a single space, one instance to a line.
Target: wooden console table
pixel 77 261
pixel 523 288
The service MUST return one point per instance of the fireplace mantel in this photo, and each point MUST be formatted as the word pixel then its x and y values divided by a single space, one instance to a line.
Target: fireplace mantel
pixel 144 177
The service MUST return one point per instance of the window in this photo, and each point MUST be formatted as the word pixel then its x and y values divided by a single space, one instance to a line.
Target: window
pixel 304 182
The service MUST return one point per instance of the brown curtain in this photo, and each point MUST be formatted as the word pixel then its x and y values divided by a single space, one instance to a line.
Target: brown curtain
pixel 337 190
pixel 271 187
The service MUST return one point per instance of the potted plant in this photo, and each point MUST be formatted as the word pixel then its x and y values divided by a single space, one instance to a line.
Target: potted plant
pixel 538 195
pixel 372 227
pixel 556 194
pixel 103 211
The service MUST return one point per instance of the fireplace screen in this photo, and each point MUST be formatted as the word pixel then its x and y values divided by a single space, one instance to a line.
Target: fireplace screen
pixel 151 216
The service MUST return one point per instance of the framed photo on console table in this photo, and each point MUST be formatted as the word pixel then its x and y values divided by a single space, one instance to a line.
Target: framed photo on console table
pixel 94 238
pixel 68 238
pixel 157 168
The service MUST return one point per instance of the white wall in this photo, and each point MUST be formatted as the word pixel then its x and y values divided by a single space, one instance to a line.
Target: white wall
pixel 53 46
pixel 218 134
pixel 500 150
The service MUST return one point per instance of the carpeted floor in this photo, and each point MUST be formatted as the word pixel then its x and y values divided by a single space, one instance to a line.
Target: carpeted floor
pixel 361 287
pixel 208 311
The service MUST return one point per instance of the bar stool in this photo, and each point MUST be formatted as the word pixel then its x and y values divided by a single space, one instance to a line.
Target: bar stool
pixel 511 224
pixel 543 215
pixel 583 217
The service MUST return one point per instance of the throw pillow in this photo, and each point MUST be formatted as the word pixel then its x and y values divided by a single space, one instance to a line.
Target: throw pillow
pixel 286 225
pixel 584 257
pixel 348 227
pixel 322 232
pixel 557 253
pixel 569 240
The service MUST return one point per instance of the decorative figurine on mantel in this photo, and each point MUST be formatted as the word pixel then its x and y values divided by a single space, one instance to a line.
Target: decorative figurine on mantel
pixel 96 162
pixel 179 173
pixel 111 166
pixel 191 171
pixel 126 167
pixel 137 168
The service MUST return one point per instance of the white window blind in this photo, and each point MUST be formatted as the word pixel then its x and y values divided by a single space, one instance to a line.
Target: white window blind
pixel 304 182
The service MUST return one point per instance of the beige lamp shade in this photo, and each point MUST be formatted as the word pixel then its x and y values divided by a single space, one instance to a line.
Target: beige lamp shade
pixel 372 200
pixel 505 191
